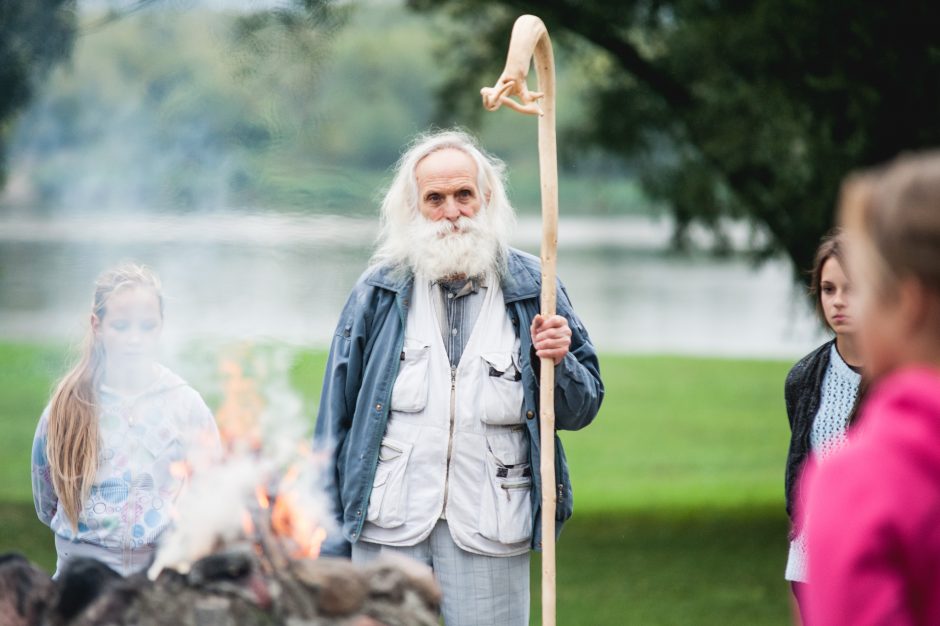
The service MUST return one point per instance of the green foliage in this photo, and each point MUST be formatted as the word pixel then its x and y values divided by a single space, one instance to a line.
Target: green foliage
pixel 289 109
pixel 733 109
pixel 165 108
pixel 33 36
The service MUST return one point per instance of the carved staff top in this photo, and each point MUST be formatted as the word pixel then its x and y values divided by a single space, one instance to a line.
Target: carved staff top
pixel 529 41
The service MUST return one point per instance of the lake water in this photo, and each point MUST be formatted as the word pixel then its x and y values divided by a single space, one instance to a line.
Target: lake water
pixel 261 277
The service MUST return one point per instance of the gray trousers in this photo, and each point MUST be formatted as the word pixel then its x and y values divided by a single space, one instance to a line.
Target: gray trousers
pixel 478 590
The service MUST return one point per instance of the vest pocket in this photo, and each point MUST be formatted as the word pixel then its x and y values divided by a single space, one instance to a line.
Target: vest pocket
pixel 506 504
pixel 387 502
pixel 410 393
pixel 502 389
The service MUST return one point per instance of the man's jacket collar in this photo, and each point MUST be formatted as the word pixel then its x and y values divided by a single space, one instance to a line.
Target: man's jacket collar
pixel 520 281
pixel 390 277
pixel 523 277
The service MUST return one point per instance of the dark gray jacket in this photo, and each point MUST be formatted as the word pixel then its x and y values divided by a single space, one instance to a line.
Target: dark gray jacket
pixel 802 394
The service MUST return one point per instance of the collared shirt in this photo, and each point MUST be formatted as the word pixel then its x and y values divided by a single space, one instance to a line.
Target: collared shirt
pixel 827 436
pixel 458 306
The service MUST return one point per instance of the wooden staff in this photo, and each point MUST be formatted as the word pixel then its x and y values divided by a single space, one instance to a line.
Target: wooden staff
pixel 530 40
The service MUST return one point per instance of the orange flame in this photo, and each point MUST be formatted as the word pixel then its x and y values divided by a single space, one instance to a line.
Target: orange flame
pixel 242 405
pixel 180 469
pixel 238 418
pixel 262 496
pixel 289 520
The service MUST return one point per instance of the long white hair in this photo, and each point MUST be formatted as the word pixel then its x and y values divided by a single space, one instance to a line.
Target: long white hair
pixel 400 214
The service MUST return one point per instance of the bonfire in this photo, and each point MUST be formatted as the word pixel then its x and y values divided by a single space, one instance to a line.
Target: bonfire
pixel 245 547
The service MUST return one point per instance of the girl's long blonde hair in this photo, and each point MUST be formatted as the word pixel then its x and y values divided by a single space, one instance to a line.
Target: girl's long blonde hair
pixel 72 435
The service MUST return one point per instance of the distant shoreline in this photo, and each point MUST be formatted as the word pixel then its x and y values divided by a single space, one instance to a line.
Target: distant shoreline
pixel 622 232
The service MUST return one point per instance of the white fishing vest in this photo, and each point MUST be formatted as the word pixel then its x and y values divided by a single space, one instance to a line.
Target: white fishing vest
pixel 456 442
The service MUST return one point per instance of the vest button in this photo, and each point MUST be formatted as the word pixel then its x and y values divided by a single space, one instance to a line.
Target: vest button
pixel 378 407
pixel 530 414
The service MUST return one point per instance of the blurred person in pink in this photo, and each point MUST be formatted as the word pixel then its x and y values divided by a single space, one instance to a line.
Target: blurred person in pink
pixel 874 523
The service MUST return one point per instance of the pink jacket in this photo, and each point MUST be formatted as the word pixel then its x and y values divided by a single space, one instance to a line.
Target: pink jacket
pixel 874 512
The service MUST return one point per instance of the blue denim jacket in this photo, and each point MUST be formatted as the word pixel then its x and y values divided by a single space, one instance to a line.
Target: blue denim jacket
pixel 363 364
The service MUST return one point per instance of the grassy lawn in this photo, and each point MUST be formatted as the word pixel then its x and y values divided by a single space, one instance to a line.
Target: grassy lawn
pixel 704 567
pixel 673 433
pixel 678 488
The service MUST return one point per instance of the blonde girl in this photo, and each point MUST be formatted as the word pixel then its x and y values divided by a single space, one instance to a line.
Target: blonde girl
pixel 112 448
pixel 873 508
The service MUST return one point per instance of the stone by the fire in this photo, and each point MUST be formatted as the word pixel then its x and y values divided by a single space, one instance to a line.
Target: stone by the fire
pixel 229 588
pixel 337 584
pixel 24 591
pixel 82 582
pixel 234 571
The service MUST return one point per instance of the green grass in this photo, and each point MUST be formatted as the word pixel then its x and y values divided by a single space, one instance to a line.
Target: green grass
pixel 681 432
pixel 678 488
pixel 702 567
pixel 22 532
pixel 26 380
pixel 672 433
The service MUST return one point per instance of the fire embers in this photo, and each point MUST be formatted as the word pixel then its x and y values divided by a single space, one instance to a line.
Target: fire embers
pixel 266 489
pixel 287 518
pixel 227 588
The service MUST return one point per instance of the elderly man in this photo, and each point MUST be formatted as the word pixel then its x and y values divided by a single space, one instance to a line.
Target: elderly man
pixel 431 393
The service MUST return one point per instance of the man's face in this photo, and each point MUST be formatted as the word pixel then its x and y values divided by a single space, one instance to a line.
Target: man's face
pixel 447 185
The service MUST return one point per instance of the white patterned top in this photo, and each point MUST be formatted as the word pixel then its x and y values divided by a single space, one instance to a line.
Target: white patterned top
pixel 142 437
pixel 837 398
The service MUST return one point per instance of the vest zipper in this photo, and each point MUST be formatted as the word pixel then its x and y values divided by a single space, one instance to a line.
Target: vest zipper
pixel 516 485
pixel 450 436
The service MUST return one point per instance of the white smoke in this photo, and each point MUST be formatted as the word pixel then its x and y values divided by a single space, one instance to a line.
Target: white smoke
pixel 213 508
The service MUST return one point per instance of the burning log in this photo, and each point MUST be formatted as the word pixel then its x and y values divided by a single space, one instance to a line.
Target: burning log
pixel 227 588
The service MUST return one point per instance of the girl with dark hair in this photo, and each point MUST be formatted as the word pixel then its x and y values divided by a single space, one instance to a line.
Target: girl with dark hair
pixel 874 508
pixel 821 390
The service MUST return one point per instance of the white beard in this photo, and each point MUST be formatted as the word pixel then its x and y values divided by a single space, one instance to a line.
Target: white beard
pixel 443 248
